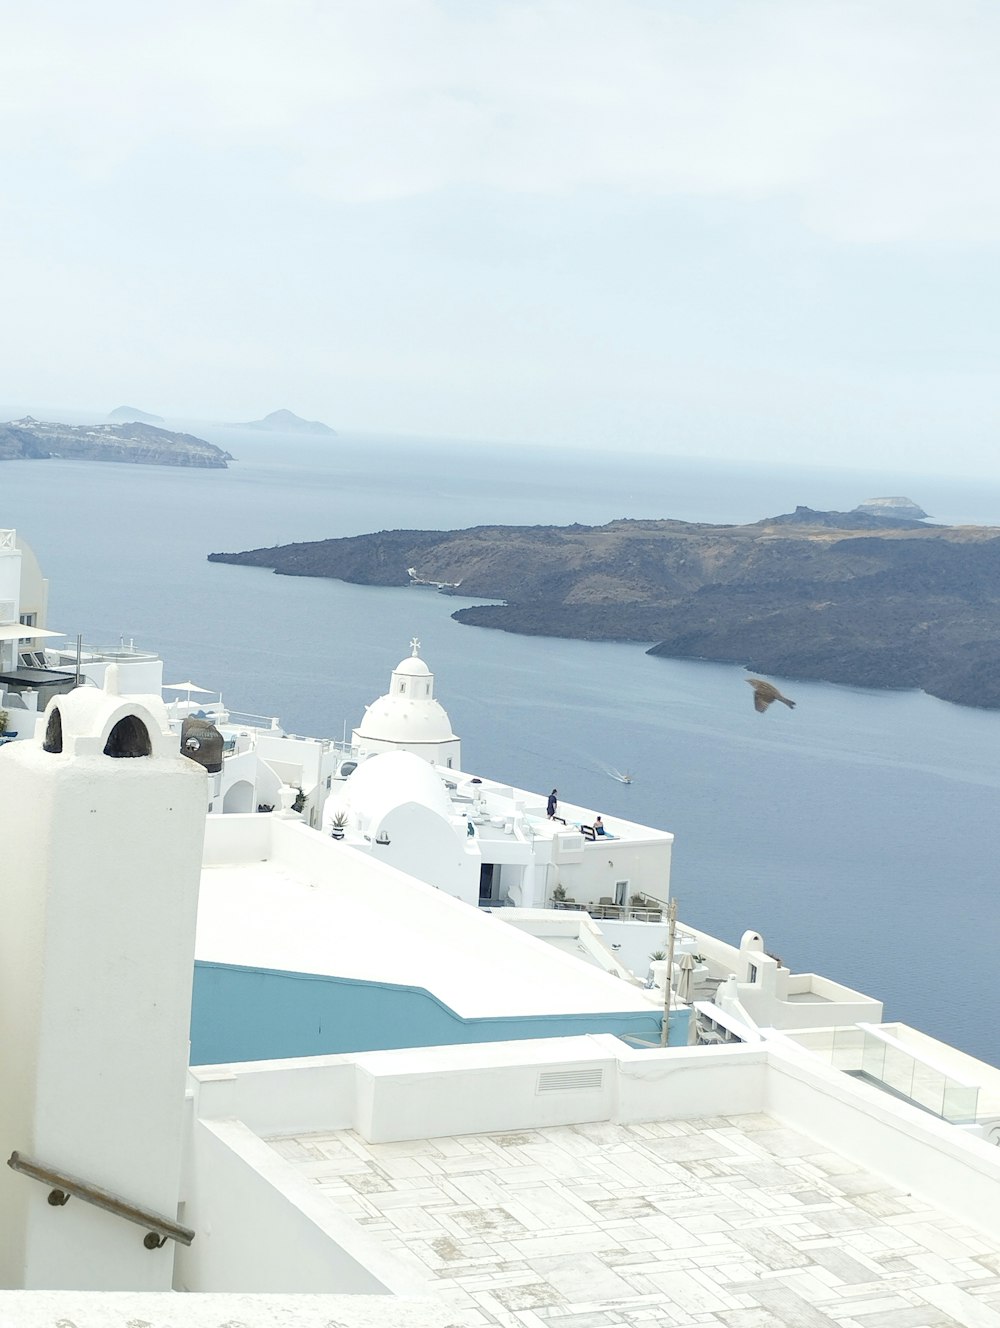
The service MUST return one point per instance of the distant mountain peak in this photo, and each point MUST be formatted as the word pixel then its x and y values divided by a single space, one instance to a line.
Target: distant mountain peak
pixel 132 415
pixel 284 421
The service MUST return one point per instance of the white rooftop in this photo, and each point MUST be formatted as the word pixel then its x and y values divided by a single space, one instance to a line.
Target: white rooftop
pixel 298 902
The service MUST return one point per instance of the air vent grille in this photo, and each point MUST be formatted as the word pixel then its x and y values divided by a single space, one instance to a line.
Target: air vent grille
pixel 589 1079
pixel 7 611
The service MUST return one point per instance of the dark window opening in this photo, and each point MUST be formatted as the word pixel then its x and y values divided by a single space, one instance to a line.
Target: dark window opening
pixel 129 737
pixel 53 732
pixel 486 882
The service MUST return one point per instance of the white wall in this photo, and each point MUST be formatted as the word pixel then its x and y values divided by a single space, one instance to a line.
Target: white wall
pixel 96 950
pixel 943 1164
pixel 428 848
pixel 10 570
pixel 262 1227
pixel 433 1092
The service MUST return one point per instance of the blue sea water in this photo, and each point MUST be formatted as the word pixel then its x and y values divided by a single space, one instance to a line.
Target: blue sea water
pixel 858 833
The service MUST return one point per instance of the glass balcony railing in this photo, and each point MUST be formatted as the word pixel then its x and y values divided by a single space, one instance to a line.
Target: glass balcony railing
pixel 876 1056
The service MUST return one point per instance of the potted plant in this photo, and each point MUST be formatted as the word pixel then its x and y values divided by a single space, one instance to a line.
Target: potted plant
pixel 559 893
pixel 3 721
pixel 337 825
pixel 300 801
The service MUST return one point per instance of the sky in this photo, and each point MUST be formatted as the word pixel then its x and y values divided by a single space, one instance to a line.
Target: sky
pixel 748 229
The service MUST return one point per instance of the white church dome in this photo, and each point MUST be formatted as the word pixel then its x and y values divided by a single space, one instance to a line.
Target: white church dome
pixel 391 779
pixel 397 719
pixel 408 712
pixel 412 666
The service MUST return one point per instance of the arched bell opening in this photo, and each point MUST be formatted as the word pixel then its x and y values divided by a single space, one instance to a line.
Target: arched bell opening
pixel 129 737
pixel 53 741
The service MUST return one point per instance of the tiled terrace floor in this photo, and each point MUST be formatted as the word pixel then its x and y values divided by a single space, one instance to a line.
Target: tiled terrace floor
pixel 731 1221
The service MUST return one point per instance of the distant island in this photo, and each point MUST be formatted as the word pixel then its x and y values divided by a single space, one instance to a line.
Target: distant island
pixel 283 421
pixel 845 597
pixel 141 444
pixel 130 415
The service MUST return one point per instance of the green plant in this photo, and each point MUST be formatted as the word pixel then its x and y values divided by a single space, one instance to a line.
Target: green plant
pixel 3 721
pixel 300 801
pixel 657 955
pixel 339 820
pixel 559 892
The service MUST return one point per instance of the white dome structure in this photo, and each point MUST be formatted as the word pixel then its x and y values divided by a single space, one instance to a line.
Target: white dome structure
pixel 407 718
pixel 398 806
pixel 388 781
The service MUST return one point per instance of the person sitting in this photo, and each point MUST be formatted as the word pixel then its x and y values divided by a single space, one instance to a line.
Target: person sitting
pixel 599 826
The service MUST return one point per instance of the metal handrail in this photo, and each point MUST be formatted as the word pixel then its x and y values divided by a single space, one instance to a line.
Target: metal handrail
pixel 158 1228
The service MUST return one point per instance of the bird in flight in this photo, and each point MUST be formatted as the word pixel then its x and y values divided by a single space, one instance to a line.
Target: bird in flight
pixel 766 692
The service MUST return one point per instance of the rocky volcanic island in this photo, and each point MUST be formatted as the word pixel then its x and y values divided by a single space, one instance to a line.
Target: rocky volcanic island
pixel 846 597
pixel 129 441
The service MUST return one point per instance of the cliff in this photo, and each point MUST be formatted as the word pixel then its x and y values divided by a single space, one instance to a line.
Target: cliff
pixel 841 597
pixel 142 444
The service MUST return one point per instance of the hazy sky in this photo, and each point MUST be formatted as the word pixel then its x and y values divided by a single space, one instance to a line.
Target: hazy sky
pixel 728 227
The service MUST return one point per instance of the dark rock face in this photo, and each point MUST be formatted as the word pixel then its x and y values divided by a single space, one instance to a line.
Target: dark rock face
pixel 846 598
pixel 141 444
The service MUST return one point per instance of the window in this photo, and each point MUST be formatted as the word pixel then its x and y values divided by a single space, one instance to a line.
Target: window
pixel 29 619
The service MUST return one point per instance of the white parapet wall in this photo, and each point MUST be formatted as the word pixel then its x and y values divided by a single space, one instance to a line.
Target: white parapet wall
pixel 262 1227
pixel 403 1095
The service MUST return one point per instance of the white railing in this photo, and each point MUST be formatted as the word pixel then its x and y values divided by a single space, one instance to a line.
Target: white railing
pixel 269 722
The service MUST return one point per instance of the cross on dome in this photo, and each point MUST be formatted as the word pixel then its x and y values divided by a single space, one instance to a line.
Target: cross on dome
pixel 415 643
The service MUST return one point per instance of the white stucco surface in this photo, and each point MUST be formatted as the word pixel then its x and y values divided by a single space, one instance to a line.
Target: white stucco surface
pixel 99 905
pixel 392 779
pixel 316 906
pixel 76 1309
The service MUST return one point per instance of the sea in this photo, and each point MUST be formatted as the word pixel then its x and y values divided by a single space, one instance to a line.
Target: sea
pixel 858 833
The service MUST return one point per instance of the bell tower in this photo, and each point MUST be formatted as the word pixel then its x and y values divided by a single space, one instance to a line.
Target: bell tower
pixel 103 827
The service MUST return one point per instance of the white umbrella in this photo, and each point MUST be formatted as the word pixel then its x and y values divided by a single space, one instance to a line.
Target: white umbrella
pixel 188 687
pixel 686 967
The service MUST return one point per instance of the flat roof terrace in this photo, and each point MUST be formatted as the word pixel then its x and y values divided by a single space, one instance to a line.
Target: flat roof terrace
pixel 343 915
pixel 735 1221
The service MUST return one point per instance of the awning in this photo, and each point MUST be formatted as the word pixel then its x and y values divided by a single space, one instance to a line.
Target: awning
pixel 19 632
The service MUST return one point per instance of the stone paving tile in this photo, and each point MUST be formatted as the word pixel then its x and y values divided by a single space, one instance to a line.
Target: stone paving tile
pixel 731 1222
pixel 909 1316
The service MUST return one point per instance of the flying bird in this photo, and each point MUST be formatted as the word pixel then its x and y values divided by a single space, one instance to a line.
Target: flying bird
pixel 766 692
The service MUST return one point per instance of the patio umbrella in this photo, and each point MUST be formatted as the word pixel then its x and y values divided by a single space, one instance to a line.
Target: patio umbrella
pixel 188 687
pixel 686 966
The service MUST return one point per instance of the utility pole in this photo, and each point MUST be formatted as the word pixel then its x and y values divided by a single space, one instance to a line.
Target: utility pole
pixel 668 983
